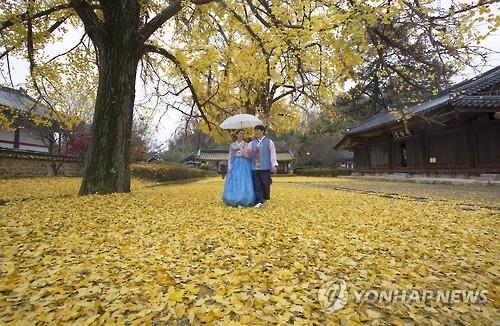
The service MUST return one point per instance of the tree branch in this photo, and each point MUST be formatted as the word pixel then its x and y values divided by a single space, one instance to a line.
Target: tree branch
pixel 25 16
pixel 29 44
pixel 173 59
pixel 6 52
pixel 174 7
pixel 93 26
pixel 279 97
pixel 155 23
pixel 387 65
pixel 247 27
pixel 9 71
pixel 468 7
pixel 400 47
pixel 64 53
pixel 50 30
pixel 257 14
pixel 220 29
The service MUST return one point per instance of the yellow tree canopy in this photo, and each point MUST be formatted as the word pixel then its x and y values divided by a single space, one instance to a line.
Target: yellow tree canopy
pixel 255 56
pixel 275 58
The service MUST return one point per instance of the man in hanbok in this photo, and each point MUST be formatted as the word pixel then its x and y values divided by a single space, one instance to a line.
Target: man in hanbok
pixel 263 155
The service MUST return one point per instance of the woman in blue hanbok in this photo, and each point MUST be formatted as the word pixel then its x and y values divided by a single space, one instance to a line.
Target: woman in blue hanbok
pixel 238 189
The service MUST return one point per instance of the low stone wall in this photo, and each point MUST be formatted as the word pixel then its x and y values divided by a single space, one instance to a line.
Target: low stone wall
pixel 25 166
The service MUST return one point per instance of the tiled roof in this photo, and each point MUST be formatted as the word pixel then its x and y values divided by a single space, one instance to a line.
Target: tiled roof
pixel 17 99
pixel 190 157
pixel 212 155
pixel 377 120
pixel 284 156
pixel 221 155
pixel 478 101
pixel 454 94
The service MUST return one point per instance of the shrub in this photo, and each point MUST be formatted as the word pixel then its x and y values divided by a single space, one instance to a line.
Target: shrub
pixel 322 172
pixel 165 172
pixel 204 166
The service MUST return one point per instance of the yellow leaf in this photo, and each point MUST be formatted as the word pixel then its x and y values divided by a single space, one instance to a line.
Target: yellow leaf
pixel 207 317
pixel 175 295
pixel 91 319
pixel 191 288
pixel 180 310
pixel 246 319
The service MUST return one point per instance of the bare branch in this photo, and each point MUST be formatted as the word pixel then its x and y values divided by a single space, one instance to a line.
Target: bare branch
pixel 466 8
pixel 29 45
pixel 6 52
pixel 9 71
pixel 400 47
pixel 64 53
pixel 279 97
pixel 257 14
pixel 220 29
pixel 386 64
pixel 173 59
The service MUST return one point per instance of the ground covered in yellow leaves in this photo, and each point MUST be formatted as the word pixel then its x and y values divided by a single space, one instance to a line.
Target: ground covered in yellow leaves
pixel 174 254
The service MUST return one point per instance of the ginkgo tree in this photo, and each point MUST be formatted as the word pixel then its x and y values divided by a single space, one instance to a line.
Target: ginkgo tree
pixel 228 56
pixel 388 51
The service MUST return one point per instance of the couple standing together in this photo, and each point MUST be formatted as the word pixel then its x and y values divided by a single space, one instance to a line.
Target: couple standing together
pixel 248 182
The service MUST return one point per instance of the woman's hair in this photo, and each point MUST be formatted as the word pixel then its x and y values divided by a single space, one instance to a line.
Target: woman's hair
pixel 235 135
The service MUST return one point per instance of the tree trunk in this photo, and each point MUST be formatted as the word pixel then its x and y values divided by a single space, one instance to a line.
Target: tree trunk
pixel 107 165
pixel 108 161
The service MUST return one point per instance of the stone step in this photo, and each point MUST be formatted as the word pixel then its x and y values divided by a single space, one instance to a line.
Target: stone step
pixel 489 176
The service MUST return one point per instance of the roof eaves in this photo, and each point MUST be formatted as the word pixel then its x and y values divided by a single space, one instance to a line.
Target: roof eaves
pixel 444 98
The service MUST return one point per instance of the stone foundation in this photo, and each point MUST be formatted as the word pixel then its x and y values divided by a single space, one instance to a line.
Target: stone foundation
pixel 453 178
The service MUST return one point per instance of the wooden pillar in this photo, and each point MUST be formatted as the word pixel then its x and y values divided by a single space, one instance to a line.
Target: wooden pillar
pixel 17 134
pixel 390 154
pixel 368 156
pixel 423 152
pixel 470 134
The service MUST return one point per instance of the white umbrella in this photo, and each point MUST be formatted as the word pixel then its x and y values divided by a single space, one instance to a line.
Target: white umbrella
pixel 240 121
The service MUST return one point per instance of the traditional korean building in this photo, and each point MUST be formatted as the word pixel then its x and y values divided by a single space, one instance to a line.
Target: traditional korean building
pixel 216 157
pixel 455 133
pixel 25 145
pixel 25 134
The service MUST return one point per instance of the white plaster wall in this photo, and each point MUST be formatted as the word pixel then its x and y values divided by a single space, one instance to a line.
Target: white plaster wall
pixel 31 137
pixel 6 135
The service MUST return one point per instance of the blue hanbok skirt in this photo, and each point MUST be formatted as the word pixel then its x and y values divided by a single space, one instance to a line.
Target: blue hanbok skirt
pixel 238 189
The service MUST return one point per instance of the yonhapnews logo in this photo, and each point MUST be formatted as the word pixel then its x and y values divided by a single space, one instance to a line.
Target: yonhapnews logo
pixel 333 295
